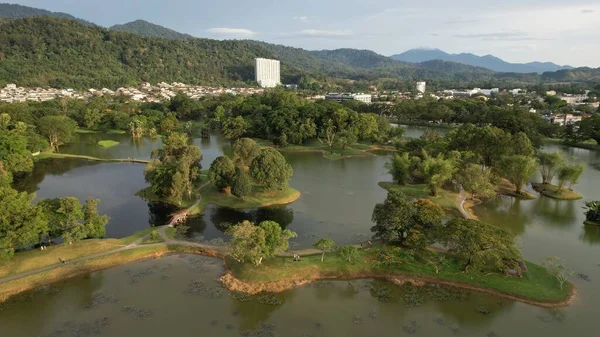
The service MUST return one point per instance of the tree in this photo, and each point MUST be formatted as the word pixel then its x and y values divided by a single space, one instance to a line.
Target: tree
pixel 276 238
pixel 222 173
pixel 394 217
pixel 550 164
pixel 21 222
pixel 569 175
pixel 590 128
pixel 13 152
pixel 330 133
pixel 479 245
pixel 95 223
pixel 325 245
pixel 349 253
pixel 436 172
pixel 242 186
pixel 477 180
pixel 399 168
pixel 244 151
pixel 521 145
pixel 557 268
pixel 593 211
pixel 517 169
pixel 271 170
pixel 59 130
pixel 234 128
pixel 255 243
pixel 137 126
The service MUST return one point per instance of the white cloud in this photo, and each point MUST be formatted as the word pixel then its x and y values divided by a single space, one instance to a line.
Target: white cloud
pixel 325 33
pixel 232 31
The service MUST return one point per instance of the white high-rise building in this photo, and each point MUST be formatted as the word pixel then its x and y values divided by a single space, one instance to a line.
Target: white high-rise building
pixel 267 73
pixel 421 87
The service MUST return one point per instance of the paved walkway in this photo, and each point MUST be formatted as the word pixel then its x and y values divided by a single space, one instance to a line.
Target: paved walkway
pixel 461 205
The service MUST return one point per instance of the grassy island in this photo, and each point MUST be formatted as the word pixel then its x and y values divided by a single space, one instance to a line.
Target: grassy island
pixel 448 200
pixel 536 287
pixel 107 143
pixel 591 223
pixel 354 150
pixel 555 192
pixel 257 198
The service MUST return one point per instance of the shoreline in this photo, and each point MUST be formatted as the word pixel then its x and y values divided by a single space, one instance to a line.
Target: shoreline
pixel 553 192
pixel 233 283
pixel 51 155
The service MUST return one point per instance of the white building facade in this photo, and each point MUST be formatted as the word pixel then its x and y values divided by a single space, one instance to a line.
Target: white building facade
pixel 268 73
pixel 421 87
pixel 365 98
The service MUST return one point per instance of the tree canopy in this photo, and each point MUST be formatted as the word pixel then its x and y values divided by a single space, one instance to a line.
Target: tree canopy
pixel 250 243
pixel 270 169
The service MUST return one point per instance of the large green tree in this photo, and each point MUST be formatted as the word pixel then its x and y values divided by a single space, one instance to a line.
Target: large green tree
pixel 222 173
pixel 550 164
pixel 59 130
pixel 250 243
pixel 436 172
pixel 517 169
pixel 399 168
pixel 480 246
pixel 234 127
pixel 569 175
pixel 244 151
pixel 271 170
pixel 242 185
pixel 14 153
pixel 325 245
pixel 477 180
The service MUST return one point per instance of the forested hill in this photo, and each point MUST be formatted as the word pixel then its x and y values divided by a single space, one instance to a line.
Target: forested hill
pixel 14 11
pixel 43 51
pixel 145 28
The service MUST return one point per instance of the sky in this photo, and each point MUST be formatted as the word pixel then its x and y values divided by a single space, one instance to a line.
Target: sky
pixel 563 32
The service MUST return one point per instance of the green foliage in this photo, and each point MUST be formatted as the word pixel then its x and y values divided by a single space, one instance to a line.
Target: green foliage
pixel 325 245
pixel 21 222
pixel 436 171
pixel 480 246
pixel 234 128
pixel 348 253
pixel 244 151
pixel 250 243
pixel 147 29
pixel 242 185
pixel 569 175
pixel 590 128
pixel 550 164
pixel 517 169
pixel 94 222
pixel 593 211
pixel 477 180
pixel 14 153
pixel 222 173
pixel 174 169
pixel 400 218
pixel 271 170
pixel 399 168
pixel 59 130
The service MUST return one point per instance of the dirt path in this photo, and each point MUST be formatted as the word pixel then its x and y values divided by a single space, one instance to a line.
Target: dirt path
pixel 461 204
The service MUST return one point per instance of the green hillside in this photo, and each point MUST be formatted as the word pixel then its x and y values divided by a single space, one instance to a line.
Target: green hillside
pixel 14 11
pixel 147 29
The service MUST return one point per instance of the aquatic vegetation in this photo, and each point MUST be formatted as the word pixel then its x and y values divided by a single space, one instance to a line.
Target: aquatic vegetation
pixel 268 298
pixel 142 314
pixel 84 329
pixel 240 296
pixel 411 328
pixel 373 313
pixel 357 319
pixel 383 292
pixel 483 310
pixel 98 299
pixel 200 287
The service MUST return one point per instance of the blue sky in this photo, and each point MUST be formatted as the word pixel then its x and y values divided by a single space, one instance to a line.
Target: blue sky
pixel 564 32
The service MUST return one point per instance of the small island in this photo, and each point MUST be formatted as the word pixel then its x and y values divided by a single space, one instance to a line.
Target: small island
pixel 556 192
pixel 553 166
pixel 107 143
pixel 592 215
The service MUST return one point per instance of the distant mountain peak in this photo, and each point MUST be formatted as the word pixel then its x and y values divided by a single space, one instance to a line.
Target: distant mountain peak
pixel 14 11
pixel 426 48
pixel 148 29
pixel 419 55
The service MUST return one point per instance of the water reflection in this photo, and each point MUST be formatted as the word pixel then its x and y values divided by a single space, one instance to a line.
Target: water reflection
pixel 590 235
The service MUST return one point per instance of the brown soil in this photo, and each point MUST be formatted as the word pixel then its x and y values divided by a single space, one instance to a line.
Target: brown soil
pixel 234 284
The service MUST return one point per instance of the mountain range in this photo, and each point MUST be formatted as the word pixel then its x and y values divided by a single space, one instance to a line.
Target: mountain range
pixel 68 52
pixel 494 63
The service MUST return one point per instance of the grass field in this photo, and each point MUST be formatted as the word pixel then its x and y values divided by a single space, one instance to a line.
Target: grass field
pixel 555 192
pixel 536 284
pixel 257 198
pixel 35 259
pixel 506 188
pixel 354 150
pixel 107 143
pixel 445 199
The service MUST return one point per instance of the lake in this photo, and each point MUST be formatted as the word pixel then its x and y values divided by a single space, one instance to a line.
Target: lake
pixel 337 200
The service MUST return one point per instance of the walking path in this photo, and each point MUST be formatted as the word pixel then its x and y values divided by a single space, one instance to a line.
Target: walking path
pixel 107 160
pixel 171 241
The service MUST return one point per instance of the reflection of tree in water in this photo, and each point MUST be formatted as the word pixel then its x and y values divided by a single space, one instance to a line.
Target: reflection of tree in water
pixel 29 182
pixel 252 315
pixel 505 212
pixel 478 310
pixel 221 217
pixel 558 213
pixel 590 235
pixel 160 213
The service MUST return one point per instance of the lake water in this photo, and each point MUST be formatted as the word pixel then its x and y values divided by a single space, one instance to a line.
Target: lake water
pixel 337 201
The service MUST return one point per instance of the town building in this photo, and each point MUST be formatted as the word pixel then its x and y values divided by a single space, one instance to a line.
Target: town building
pixel 365 98
pixel 563 119
pixel 421 86
pixel 573 99
pixel 268 74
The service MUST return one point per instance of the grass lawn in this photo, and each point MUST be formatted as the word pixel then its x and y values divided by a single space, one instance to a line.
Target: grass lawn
pixel 170 232
pixel 555 192
pixel 507 188
pixel 108 143
pixel 85 131
pixel 358 149
pixel 257 198
pixel 535 285
pixel 445 199
pixel 34 259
